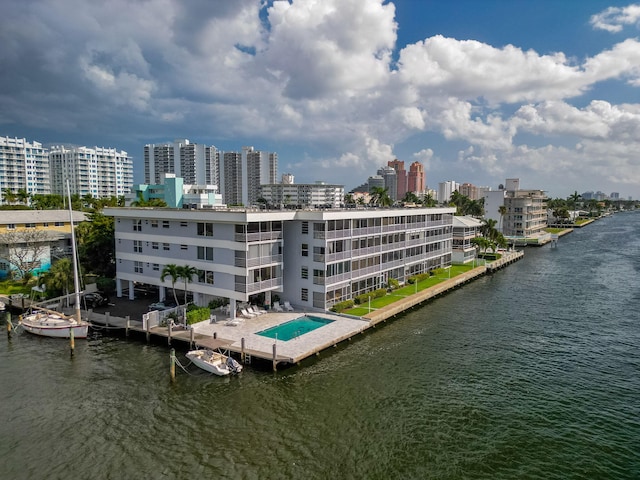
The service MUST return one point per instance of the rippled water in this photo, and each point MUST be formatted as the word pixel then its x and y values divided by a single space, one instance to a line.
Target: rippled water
pixel 533 372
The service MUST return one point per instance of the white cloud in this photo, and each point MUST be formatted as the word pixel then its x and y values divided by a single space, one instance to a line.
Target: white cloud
pixel 613 19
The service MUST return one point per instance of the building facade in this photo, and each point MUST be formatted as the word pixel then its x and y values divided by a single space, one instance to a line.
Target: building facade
pixel 242 173
pixel 99 172
pixel 302 195
pixel 401 176
pixel 23 166
pixel 34 239
pixel 197 164
pixel 416 180
pixel 390 181
pixel 241 254
pixel 465 229
pixel 526 213
pixel 176 194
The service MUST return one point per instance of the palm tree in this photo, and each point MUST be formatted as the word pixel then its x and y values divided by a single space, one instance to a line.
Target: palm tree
pixel 187 272
pixel 380 197
pixel 171 270
pixel 23 196
pixel 9 196
pixel 429 201
pixel 573 199
pixel 502 210
pixel 410 197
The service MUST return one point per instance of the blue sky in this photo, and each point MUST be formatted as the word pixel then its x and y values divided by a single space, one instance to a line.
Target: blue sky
pixel 478 91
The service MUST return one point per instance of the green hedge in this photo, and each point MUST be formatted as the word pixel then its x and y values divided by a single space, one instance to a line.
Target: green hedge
pixel 197 314
pixel 420 277
pixel 342 306
pixel 364 298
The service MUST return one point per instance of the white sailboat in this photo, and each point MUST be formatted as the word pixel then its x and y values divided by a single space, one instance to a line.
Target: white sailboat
pixel 49 323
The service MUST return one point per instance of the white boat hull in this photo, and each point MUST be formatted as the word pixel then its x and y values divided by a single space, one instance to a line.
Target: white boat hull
pixel 213 362
pixel 56 326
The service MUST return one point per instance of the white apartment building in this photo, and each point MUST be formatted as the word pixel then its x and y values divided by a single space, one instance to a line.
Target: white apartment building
pixel 312 258
pixel 445 190
pixel 465 229
pixel 98 171
pixel 302 195
pixel 242 173
pixel 24 165
pixel 196 163
pixel 526 214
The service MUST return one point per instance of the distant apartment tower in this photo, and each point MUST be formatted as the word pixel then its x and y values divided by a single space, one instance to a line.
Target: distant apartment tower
pixel 526 213
pixel 242 173
pixel 469 190
pixel 98 171
pixel 416 181
pixel 196 163
pixel 445 189
pixel 390 181
pixel 401 176
pixel 24 166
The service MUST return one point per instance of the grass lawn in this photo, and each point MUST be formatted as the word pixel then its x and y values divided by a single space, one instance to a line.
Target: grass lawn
pixel 407 290
pixel 554 230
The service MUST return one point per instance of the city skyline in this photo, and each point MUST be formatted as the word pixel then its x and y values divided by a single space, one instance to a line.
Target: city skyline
pixel 476 91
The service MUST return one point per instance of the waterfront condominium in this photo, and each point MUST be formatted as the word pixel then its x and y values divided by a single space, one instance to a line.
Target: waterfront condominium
pixel 241 254
pixel 23 166
pixel 196 163
pixel 98 171
pixel 526 213
pixel 242 173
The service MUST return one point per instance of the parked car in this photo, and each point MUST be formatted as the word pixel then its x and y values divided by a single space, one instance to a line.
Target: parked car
pixel 95 299
pixel 162 306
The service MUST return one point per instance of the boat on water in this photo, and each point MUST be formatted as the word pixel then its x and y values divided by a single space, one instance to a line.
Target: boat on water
pixel 214 362
pixel 49 323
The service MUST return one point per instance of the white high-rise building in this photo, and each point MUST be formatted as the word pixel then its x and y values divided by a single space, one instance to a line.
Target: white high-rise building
pixel 445 189
pixel 195 163
pixel 241 175
pixel 98 171
pixel 23 166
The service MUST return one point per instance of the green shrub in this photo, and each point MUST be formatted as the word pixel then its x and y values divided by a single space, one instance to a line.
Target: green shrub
pixel 393 283
pixel 364 297
pixel 342 306
pixel 197 314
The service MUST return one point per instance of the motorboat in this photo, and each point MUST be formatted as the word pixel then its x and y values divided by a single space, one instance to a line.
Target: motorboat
pixel 214 362
pixel 49 323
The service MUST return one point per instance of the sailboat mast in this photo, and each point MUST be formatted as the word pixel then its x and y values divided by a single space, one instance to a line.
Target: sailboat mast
pixel 76 280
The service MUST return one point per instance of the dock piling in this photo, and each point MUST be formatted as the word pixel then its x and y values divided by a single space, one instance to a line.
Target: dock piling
pixel 172 364
pixel 127 325
pixel 275 362
pixel 242 349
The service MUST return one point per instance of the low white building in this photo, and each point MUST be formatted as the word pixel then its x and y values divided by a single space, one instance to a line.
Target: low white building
pixel 302 195
pixel 312 258
pixel 465 229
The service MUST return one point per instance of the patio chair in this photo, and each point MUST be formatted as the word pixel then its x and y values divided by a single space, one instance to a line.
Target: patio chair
pixel 245 314
pixel 255 311
pixel 288 307
pixel 277 307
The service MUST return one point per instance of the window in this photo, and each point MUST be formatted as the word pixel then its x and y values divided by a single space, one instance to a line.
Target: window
pixel 11 226
pixel 137 267
pixel 205 276
pixel 30 225
pixel 46 224
pixel 154 245
pixel 304 294
pixel 304 273
pixel 205 253
pixel 59 224
pixel 137 225
pixel 154 223
pixel 166 246
pixel 156 267
pixel 184 224
pixel 305 249
pixel 205 229
pixel 165 224
pixel 4 266
pixel 137 246
pixel 305 228
pixel 184 247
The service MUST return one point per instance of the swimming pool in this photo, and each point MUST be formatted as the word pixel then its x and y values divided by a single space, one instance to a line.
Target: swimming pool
pixel 294 328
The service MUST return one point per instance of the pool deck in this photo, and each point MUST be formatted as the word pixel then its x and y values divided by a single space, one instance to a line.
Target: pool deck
pixel 241 338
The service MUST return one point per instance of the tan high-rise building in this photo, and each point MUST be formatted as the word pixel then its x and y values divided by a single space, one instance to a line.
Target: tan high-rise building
pixel 417 180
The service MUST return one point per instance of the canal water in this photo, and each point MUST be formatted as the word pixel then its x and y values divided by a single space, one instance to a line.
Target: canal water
pixel 532 372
